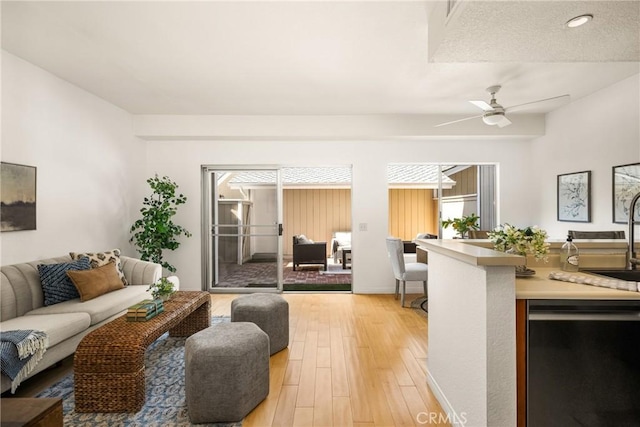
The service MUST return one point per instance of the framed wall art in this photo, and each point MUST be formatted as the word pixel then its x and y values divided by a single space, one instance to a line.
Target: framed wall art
pixel 574 197
pixel 626 184
pixel 17 197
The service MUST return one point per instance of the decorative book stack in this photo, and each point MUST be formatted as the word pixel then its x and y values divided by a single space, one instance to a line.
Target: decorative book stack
pixel 144 310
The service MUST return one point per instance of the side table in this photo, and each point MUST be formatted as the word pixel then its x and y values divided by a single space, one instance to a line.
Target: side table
pixel 346 254
pixel 31 412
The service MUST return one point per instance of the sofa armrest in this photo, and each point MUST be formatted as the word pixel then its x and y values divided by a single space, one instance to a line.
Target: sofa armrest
pixel 139 272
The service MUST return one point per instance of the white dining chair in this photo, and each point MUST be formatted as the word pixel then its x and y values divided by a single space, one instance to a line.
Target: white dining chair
pixel 405 272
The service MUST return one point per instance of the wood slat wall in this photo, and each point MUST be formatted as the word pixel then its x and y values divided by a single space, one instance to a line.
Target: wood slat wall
pixel 316 213
pixel 412 211
pixel 466 183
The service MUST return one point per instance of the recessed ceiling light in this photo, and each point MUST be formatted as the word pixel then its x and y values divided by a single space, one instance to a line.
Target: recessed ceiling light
pixel 579 20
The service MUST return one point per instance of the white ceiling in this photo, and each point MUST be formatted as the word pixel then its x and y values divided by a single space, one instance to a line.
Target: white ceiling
pixel 323 57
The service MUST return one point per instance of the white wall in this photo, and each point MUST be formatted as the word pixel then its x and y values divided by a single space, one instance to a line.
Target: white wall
pixel 181 160
pixel 90 166
pixel 264 212
pixel 92 170
pixel 593 133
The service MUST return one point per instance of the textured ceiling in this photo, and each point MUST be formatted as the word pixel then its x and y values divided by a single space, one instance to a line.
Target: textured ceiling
pixel 534 31
pixel 318 58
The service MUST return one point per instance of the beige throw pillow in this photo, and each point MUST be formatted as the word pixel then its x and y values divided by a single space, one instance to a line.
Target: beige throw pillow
pixel 95 282
pixel 99 259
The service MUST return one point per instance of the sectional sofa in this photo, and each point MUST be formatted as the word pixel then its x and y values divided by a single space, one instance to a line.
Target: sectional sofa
pixel 66 323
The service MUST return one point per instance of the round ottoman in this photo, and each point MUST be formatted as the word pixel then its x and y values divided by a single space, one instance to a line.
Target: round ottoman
pixel 226 372
pixel 269 311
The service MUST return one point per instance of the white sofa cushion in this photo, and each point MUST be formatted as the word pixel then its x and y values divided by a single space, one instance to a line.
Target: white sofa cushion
pixel 343 238
pixel 99 308
pixel 58 327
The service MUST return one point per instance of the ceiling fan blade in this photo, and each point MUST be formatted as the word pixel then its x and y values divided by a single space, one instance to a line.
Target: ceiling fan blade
pixel 513 107
pixel 504 122
pixel 459 120
pixel 482 105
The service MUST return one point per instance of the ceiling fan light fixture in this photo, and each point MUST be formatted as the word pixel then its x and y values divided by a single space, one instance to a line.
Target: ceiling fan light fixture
pixel 492 119
pixel 579 20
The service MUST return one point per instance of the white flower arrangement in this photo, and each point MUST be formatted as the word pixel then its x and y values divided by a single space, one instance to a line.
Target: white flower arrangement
pixel 522 241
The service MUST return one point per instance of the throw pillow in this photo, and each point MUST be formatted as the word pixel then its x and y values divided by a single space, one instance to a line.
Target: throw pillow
pixel 97 281
pixel 304 240
pixel 56 285
pixel 98 259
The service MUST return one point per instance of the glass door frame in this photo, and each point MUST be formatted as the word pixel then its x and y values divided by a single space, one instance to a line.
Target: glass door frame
pixel 207 223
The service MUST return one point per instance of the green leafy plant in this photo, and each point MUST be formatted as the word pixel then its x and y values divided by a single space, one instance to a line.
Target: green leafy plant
pixel 462 225
pixel 155 231
pixel 522 241
pixel 162 289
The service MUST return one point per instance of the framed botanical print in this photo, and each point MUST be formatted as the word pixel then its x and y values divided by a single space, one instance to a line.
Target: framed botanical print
pixel 574 197
pixel 626 184
pixel 17 197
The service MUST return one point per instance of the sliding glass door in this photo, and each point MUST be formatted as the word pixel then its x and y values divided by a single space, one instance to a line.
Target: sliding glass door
pixel 242 229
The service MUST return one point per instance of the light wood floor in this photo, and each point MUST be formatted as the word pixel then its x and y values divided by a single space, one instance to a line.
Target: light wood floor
pixel 352 360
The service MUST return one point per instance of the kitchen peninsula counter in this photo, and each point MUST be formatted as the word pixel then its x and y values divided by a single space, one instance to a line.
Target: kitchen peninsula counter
pixel 540 286
pixel 473 294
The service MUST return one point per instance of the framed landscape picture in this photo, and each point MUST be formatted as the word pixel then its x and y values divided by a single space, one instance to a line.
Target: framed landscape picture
pixel 574 197
pixel 626 184
pixel 17 197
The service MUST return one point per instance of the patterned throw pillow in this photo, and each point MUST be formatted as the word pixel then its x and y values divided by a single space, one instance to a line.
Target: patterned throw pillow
pixel 98 259
pixel 56 285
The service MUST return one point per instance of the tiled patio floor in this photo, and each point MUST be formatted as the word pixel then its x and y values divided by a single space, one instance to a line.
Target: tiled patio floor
pixel 264 273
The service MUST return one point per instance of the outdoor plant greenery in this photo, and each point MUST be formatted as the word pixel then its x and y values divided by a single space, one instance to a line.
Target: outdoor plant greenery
pixel 462 225
pixel 155 231
pixel 522 241
pixel 162 288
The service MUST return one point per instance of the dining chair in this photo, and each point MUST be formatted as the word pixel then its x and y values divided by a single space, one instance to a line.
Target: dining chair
pixel 478 234
pixel 613 234
pixel 405 272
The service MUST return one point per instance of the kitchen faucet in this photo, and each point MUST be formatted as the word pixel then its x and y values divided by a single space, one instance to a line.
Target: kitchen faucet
pixel 631 250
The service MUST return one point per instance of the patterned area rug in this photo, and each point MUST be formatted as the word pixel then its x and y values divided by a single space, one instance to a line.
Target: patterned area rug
pixel 165 404
pixel 420 306
pixel 264 274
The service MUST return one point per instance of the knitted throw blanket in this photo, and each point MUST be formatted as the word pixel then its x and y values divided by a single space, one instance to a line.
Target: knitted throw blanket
pixel 20 352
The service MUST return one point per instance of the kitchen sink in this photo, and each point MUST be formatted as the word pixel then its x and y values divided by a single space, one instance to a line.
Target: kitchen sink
pixel 629 275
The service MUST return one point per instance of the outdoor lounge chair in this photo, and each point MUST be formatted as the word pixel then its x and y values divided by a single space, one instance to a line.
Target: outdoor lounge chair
pixel 307 251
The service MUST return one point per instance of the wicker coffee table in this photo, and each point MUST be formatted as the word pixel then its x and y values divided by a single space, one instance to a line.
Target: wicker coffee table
pixel 109 362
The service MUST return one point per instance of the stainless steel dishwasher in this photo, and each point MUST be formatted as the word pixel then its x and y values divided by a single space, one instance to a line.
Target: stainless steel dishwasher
pixel 583 363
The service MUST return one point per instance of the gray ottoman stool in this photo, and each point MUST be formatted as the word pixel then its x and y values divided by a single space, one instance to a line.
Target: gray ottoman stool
pixel 269 311
pixel 226 372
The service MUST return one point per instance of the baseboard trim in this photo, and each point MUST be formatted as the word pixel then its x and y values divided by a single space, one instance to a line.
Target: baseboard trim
pixel 454 418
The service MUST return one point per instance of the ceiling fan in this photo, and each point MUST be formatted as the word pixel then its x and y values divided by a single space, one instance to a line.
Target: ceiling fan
pixel 494 113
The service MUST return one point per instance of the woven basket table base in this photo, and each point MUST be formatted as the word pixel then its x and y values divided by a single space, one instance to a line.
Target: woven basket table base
pixel 109 362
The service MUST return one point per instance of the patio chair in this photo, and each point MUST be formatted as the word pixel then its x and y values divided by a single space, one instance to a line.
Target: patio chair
pixel 306 251
pixel 341 240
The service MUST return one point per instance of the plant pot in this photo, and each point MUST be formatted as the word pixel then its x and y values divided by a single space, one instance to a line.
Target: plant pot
pixel 522 270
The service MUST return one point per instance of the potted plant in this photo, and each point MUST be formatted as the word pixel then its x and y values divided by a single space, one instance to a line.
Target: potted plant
pixel 155 231
pixel 462 225
pixel 521 241
pixel 162 289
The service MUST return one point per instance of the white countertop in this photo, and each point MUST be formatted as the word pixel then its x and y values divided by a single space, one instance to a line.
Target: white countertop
pixel 470 254
pixel 538 286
